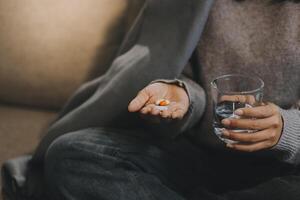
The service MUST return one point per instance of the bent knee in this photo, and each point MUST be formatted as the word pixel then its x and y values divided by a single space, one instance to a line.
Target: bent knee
pixel 68 144
pixel 64 152
pixel 90 145
pixel 83 143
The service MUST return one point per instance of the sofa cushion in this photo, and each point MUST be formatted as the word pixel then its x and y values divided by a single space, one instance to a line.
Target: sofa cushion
pixel 20 130
pixel 48 48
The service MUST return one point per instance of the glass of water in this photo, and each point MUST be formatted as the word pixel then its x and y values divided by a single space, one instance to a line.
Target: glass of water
pixel 231 92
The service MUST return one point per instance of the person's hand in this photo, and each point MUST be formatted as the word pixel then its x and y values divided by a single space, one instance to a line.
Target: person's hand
pixel 144 102
pixel 265 120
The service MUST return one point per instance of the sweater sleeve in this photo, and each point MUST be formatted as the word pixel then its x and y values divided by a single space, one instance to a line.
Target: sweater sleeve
pixel 197 99
pixel 288 147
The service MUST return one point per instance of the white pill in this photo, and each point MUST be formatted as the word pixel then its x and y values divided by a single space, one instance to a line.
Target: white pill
pixel 162 107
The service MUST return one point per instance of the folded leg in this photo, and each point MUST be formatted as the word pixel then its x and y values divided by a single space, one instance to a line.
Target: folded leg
pixel 111 164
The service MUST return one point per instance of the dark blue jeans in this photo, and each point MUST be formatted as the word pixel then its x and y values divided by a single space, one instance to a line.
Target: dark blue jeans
pixel 123 165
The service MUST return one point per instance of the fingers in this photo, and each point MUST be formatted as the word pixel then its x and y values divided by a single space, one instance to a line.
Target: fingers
pixel 150 109
pixel 168 112
pixel 139 101
pixel 250 147
pixel 266 119
pixel 258 112
pixel 175 111
pixel 178 113
pixel 249 137
pixel 253 124
pixel 249 99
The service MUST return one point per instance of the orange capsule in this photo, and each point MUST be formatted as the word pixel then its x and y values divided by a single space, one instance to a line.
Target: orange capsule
pixel 162 102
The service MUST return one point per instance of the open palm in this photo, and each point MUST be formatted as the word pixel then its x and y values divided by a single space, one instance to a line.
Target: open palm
pixel 144 102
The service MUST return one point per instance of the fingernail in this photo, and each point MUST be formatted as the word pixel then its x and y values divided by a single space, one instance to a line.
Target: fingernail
pixel 229 145
pixel 239 112
pixel 226 122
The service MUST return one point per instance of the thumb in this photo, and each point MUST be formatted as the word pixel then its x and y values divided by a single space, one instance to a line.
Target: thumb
pixel 138 102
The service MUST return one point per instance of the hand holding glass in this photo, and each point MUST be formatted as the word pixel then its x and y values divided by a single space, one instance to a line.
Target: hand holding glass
pixel 231 92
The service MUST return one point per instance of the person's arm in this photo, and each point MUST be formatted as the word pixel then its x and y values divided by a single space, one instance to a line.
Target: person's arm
pixel 288 147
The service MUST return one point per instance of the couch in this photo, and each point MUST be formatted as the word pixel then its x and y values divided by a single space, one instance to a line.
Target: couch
pixel 48 49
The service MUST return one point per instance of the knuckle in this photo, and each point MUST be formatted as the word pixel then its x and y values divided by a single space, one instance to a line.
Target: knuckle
pixel 273 136
pixel 276 122
pixel 274 108
pixel 270 143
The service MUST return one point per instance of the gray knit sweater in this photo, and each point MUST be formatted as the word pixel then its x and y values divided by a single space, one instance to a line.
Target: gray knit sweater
pixel 254 37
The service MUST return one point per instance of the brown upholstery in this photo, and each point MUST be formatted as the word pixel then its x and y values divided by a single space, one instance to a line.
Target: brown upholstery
pixel 20 130
pixel 48 48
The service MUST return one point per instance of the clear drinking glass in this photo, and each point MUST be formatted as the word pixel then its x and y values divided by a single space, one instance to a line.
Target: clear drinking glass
pixel 231 92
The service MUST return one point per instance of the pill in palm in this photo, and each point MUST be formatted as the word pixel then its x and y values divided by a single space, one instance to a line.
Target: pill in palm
pixel 162 102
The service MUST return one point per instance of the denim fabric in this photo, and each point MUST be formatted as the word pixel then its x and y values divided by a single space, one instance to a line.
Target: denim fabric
pixel 123 165
pixel 101 164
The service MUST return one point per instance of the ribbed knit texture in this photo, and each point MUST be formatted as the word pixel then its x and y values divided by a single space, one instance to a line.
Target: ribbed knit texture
pixel 253 37
pixel 289 142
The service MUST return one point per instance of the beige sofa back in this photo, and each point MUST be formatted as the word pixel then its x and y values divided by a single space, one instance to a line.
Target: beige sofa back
pixel 48 48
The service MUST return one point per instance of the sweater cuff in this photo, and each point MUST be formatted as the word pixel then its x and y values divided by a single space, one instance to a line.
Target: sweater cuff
pixel 289 143
pixel 177 82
